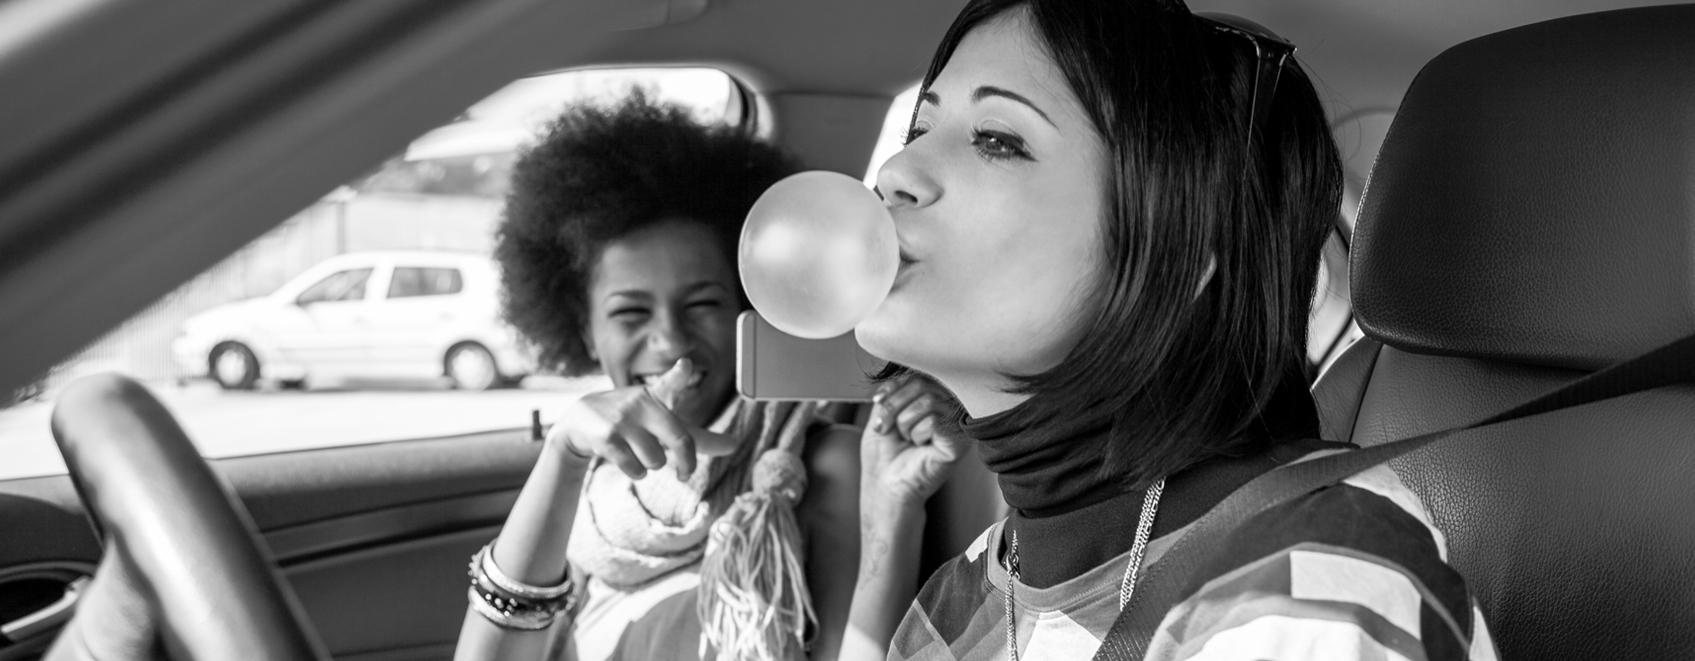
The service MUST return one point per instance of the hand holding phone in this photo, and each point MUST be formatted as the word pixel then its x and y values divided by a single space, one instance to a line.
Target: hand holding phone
pixel 908 449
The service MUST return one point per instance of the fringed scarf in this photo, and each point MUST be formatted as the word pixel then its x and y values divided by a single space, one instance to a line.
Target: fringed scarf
pixel 735 514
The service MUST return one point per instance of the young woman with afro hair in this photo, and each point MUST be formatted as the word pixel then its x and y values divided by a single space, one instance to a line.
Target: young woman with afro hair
pixel 688 522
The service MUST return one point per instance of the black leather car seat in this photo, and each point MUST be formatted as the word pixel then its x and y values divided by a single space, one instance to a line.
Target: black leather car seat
pixel 1530 219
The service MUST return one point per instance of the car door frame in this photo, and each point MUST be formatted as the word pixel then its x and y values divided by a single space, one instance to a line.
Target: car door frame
pixel 410 335
pixel 337 338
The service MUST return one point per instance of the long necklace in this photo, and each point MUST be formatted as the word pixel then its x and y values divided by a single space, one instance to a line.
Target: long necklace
pixel 1126 587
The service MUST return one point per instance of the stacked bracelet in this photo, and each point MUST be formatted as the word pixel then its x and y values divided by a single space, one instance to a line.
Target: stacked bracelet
pixel 511 604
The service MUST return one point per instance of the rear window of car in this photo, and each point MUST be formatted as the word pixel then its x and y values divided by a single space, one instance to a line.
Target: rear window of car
pixel 442 193
pixel 409 281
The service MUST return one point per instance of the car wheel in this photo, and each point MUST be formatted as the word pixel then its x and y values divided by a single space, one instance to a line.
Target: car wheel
pixel 234 366
pixel 472 367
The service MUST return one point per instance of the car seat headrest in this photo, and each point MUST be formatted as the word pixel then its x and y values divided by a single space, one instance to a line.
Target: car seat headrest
pixel 1534 200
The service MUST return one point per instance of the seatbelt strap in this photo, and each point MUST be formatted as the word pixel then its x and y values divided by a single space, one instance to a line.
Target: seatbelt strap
pixel 1161 587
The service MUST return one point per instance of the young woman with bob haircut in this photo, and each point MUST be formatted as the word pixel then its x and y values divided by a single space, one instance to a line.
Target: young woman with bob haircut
pixel 1110 215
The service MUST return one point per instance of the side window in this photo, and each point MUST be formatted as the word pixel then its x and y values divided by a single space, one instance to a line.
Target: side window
pixel 440 193
pixel 892 138
pixel 409 281
pixel 346 285
pixel 1359 135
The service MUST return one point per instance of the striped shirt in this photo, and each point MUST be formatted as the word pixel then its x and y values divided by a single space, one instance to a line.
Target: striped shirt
pixel 1352 571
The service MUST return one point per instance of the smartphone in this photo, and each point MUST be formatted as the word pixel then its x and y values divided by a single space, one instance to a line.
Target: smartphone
pixel 772 364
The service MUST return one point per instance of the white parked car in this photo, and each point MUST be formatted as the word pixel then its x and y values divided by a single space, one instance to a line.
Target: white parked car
pixel 372 314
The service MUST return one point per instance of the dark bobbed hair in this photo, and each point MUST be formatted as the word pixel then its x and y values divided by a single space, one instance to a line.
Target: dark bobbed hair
pixel 1183 378
pixel 599 174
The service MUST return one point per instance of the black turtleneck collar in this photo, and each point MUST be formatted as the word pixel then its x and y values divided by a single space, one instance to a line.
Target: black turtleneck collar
pixel 1072 515
pixel 1046 468
pixel 1050 463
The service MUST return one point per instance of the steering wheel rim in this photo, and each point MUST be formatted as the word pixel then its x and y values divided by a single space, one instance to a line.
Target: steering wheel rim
pixel 214 591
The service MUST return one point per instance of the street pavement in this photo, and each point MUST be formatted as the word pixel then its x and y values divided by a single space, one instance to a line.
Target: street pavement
pixel 229 424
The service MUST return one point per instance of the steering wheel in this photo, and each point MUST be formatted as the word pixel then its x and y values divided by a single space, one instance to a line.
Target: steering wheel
pixel 186 540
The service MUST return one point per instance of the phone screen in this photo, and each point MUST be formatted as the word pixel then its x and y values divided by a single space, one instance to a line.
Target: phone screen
pixel 776 365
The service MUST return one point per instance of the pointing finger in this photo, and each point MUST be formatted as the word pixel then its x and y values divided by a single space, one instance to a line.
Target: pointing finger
pixel 643 445
pixel 617 452
pixel 671 384
pixel 675 439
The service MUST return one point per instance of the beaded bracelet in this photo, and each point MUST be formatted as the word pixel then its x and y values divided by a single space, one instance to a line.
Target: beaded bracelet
pixel 512 604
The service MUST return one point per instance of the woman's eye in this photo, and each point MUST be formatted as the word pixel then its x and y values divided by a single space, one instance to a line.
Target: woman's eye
pixel 913 134
pixel 705 305
pixel 995 144
pixel 629 315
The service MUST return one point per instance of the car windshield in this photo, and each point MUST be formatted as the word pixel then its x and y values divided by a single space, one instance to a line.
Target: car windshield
pixel 373 314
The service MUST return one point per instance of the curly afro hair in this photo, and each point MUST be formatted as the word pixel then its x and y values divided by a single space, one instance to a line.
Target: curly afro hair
pixel 598 174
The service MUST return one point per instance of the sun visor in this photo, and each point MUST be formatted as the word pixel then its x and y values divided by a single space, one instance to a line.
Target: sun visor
pixel 1534 200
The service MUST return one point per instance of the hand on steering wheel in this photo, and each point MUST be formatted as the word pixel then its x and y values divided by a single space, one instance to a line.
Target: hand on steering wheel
pixel 183 564
pixel 112 620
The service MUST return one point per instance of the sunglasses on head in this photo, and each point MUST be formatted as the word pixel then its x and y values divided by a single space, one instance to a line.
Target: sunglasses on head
pixel 1269 49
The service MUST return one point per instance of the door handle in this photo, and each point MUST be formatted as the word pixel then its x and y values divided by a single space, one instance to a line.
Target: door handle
pixel 50 616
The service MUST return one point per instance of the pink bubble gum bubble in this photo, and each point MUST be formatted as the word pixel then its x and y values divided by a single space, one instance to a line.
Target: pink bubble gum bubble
pixel 818 254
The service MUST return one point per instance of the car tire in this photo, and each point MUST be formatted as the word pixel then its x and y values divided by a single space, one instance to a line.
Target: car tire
pixel 233 366
pixel 470 366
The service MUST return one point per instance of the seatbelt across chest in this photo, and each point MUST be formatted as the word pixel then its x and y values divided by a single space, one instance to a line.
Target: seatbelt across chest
pixel 1161 586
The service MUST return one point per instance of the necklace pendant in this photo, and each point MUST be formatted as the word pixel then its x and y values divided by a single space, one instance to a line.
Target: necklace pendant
pixel 1126 587
pixel 1011 620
